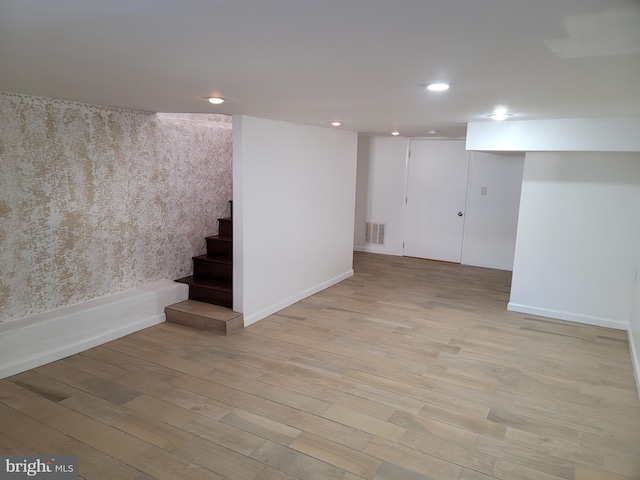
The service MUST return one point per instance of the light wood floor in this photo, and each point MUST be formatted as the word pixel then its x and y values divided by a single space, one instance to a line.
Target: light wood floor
pixel 409 370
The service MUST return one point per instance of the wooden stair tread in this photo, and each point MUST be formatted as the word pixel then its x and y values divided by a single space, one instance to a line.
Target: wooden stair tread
pixel 221 238
pixel 208 310
pixel 204 316
pixel 215 259
pixel 210 283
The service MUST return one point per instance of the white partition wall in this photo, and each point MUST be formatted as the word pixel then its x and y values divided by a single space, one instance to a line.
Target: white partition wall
pixel 294 201
pixel 578 237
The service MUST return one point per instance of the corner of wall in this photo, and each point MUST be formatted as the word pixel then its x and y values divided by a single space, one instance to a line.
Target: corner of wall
pixel 568 316
pixel 379 250
pixel 635 359
pixel 122 197
pixel 238 214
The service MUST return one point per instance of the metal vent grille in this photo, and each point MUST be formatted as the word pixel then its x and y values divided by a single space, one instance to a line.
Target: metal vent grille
pixel 375 233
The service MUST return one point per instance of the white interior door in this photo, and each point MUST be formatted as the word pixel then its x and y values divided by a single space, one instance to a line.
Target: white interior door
pixel 436 196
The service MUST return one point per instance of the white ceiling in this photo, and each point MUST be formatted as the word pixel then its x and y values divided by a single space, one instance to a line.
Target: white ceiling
pixel 314 61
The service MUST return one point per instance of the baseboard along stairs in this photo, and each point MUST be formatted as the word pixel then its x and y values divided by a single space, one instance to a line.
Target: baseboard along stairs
pixel 211 286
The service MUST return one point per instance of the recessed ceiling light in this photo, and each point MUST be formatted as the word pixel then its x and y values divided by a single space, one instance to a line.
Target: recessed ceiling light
pixel 395 133
pixel 499 114
pixel 336 124
pixel 216 100
pixel 432 131
pixel 438 87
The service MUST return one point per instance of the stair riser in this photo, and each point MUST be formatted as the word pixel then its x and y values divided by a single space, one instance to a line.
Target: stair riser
pixel 219 247
pixel 216 297
pixel 212 270
pixel 225 228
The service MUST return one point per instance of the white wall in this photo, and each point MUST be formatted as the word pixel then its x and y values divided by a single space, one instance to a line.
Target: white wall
pixel 578 236
pixel 577 134
pixel 294 202
pixel 380 191
pixel 493 199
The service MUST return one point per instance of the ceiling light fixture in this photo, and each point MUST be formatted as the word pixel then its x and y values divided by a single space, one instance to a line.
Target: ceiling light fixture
pixel 438 87
pixel 395 133
pixel 336 124
pixel 499 114
pixel 216 100
pixel 432 131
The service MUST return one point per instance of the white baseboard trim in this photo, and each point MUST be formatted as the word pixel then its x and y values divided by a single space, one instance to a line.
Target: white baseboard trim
pixel 380 250
pixel 43 338
pixel 256 316
pixel 569 316
pixel 494 266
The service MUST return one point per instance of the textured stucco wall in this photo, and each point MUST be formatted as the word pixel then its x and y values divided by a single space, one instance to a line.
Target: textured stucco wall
pixel 96 200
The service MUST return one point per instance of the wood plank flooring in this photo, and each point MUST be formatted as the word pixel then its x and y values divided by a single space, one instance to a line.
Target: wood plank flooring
pixel 409 370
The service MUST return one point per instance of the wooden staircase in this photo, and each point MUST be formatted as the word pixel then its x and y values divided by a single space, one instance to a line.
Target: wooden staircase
pixel 212 279
pixel 210 286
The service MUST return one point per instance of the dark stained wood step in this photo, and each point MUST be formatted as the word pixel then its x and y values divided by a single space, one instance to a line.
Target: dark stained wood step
pixel 225 227
pixel 219 246
pixel 213 266
pixel 208 290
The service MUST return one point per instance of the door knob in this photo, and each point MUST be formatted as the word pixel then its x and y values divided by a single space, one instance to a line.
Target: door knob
pixel 460 214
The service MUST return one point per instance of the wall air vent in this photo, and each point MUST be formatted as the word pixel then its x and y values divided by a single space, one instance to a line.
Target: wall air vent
pixel 375 233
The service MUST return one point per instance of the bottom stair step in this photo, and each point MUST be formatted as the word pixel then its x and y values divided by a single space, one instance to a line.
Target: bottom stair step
pixel 204 316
